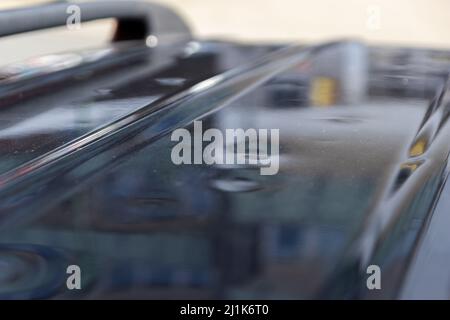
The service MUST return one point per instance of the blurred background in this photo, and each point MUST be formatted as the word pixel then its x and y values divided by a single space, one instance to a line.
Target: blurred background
pixel 419 23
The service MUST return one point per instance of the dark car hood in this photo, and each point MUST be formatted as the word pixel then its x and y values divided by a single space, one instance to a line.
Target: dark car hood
pixel 86 176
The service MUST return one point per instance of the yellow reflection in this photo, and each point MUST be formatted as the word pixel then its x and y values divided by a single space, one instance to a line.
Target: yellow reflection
pixel 410 166
pixel 418 148
pixel 323 91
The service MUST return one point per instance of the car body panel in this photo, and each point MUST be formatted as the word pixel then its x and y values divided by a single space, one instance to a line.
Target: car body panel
pixel 87 177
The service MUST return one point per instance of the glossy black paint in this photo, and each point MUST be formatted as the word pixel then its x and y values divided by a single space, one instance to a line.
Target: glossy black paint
pixel 86 176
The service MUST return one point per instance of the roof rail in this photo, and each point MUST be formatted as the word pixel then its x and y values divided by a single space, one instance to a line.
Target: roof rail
pixel 136 19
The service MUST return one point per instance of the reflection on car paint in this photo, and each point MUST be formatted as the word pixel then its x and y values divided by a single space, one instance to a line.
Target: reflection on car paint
pixel 359 166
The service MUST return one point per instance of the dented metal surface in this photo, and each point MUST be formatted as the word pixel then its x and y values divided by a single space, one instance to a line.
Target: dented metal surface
pixel 86 175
